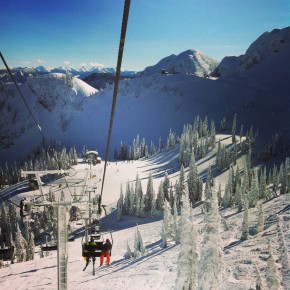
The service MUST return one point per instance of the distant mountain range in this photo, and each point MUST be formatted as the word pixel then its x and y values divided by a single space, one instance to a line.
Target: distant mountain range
pixel 21 74
pixel 167 95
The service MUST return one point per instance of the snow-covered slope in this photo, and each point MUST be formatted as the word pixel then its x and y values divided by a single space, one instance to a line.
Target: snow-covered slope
pixel 266 46
pixel 157 269
pixel 190 61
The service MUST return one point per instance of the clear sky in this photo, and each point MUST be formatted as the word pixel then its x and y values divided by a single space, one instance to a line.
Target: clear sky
pixel 86 32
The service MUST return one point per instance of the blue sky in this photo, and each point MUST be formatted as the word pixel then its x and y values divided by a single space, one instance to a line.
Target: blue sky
pixel 86 32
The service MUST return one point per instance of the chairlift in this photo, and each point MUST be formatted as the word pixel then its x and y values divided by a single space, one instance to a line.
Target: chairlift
pixel 48 248
pixel 89 251
pixel 6 254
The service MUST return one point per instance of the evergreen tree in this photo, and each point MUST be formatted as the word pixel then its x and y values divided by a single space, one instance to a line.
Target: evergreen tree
pixel 261 221
pixel 187 267
pixel 175 228
pixel 139 249
pixel 120 206
pixel 166 186
pixel 234 127
pixel 148 199
pixel 210 263
pixel 163 237
pixel 139 197
pixel 254 193
pixel 20 245
pixel 167 220
pixel 160 197
pixel 193 181
pixel 245 225
pixel 273 282
pixel 129 253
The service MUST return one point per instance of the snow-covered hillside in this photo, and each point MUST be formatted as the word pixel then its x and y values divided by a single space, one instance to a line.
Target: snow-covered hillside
pixel 190 61
pixel 148 106
pixel 266 46
pixel 245 264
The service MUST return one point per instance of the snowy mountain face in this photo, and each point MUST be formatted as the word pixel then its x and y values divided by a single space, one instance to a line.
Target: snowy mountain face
pixel 101 80
pixel 77 114
pixel 267 45
pixel 189 62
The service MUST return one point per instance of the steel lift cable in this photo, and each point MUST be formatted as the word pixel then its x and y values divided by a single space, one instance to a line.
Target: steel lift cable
pixel 117 78
pixel 14 81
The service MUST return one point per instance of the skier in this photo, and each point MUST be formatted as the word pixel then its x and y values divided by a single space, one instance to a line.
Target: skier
pixel 91 245
pixel 106 250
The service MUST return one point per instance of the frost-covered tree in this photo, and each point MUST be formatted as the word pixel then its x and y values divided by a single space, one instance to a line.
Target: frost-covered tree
pixel 139 249
pixel 259 282
pixel 234 128
pixel 160 197
pixel 120 206
pixel 149 196
pixel 29 237
pixel 193 181
pixel 273 281
pixel 20 245
pixel 261 221
pixel 245 224
pixel 163 237
pixel 254 193
pixel 166 184
pixel 139 197
pixel 128 254
pixel 210 263
pixel 175 228
pixel 187 267
pixel 167 220
pixel 5 226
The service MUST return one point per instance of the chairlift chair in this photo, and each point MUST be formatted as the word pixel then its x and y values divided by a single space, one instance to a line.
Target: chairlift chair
pixel 7 253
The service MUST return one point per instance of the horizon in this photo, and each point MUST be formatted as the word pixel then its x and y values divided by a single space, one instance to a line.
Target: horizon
pixel 37 33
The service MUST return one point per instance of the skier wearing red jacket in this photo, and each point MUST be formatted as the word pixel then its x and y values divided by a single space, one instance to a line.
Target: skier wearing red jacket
pixel 106 249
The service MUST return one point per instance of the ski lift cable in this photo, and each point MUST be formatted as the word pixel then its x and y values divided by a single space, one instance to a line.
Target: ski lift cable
pixel 19 91
pixel 117 78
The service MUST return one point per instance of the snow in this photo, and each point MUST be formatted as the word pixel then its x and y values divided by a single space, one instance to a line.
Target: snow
pixel 157 268
pixel 190 61
pixel 151 105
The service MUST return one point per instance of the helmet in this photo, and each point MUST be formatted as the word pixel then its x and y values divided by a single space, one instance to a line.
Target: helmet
pixel 107 241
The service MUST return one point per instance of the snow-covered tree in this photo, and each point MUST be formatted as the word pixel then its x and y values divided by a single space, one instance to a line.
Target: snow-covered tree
pixel 254 193
pixel 234 127
pixel 210 263
pixel 187 267
pixel 139 197
pixel 20 245
pixel 245 224
pixel 273 281
pixel 261 221
pixel 259 282
pixel 120 206
pixel 139 249
pixel 160 197
pixel 128 254
pixel 167 220
pixel 149 196
pixel 166 184
pixel 163 237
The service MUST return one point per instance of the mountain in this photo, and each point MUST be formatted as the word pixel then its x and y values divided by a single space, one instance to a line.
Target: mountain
pixel 148 105
pixel 266 46
pixel 101 80
pixel 190 62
